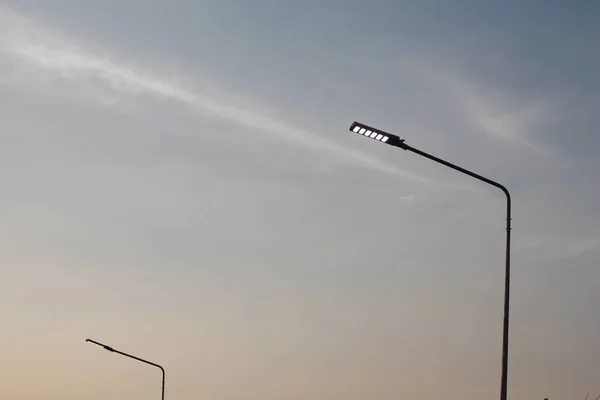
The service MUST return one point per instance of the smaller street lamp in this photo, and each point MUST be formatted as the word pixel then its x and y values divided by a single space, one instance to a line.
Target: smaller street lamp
pixel 108 348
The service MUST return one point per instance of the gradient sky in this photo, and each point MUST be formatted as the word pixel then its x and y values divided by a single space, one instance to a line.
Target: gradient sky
pixel 179 182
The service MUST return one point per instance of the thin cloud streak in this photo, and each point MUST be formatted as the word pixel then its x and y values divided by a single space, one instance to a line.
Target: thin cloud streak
pixel 33 46
pixel 483 109
pixel 509 126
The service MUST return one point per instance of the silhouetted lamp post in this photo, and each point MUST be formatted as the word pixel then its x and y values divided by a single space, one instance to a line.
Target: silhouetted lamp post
pixel 395 141
pixel 105 347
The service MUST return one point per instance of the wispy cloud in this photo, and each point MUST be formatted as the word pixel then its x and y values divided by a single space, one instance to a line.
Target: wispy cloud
pixel 490 118
pixel 35 55
pixel 583 246
pixel 558 246
pixel 491 111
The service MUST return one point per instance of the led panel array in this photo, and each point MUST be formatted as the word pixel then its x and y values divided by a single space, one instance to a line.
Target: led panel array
pixel 377 134
pixel 94 343
pixel 105 347
pixel 370 133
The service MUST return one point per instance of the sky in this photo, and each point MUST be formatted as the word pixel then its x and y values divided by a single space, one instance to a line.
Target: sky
pixel 179 182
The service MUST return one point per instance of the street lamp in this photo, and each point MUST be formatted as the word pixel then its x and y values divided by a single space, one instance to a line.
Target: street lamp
pixel 393 140
pixel 105 347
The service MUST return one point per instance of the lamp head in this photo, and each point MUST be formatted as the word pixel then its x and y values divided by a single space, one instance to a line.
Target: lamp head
pixel 377 134
pixel 105 347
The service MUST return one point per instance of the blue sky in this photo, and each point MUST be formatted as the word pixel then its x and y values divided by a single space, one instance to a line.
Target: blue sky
pixel 180 183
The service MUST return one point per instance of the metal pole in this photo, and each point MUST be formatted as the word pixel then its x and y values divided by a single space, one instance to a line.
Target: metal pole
pixel 505 328
pixel 135 358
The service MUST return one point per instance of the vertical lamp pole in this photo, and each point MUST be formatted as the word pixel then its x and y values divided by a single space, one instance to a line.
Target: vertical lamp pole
pixel 105 347
pixel 395 141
